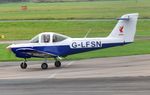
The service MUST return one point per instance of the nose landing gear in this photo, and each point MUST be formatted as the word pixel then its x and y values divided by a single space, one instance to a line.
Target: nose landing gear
pixel 24 65
pixel 57 64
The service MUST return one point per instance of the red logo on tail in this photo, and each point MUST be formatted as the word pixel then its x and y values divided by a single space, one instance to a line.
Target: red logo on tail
pixel 121 29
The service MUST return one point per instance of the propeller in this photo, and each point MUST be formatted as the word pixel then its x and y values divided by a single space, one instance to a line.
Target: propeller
pixel 9 51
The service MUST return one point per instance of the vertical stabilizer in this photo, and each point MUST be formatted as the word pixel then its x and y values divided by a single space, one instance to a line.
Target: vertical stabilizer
pixel 125 28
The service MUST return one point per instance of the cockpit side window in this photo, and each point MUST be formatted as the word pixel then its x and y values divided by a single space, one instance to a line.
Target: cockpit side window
pixel 45 38
pixel 58 38
pixel 35 40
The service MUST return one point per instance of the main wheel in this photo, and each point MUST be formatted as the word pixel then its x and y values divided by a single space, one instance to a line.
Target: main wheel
pixel 44 66
pixel 57 64
pixel 23 65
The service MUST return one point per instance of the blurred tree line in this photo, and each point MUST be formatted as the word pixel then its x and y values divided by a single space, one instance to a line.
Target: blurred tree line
pixel 9 1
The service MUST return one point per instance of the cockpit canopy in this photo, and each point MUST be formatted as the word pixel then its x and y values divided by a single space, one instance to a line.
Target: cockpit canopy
pixel 48 37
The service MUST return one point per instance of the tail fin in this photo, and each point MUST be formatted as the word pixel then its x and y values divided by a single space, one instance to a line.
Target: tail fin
pixel 125 28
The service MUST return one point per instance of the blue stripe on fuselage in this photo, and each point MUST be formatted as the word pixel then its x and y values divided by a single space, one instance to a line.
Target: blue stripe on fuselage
pixel 62 50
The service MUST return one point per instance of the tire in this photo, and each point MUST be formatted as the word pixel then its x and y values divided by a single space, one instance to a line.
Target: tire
pixel 23 65
pixel 44 66
pixel 57 64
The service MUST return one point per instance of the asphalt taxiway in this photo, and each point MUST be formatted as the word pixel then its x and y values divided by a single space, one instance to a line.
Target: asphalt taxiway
pixel 127 75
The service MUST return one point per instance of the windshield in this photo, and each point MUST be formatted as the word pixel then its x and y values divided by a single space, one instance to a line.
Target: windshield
pixel 35 40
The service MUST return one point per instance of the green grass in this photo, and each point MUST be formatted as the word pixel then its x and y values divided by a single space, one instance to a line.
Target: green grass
pixel 26 30
pixel 75 10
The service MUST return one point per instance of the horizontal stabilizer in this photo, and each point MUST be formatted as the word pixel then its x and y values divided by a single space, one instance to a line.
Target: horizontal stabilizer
pixel 123 18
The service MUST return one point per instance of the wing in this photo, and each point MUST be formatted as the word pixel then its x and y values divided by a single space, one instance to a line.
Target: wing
pixel 36 53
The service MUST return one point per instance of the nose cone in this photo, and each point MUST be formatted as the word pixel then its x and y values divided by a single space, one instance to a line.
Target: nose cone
pixel 9 47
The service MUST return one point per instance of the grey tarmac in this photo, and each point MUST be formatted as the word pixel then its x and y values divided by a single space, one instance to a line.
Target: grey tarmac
pixel 79 86
pixel 126 75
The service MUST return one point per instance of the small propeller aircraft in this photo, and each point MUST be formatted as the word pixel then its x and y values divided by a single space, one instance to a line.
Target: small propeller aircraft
pixel 54 45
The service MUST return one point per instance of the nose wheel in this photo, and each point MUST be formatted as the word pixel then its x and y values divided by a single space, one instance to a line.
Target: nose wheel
pixel 23 65
pixel 57 64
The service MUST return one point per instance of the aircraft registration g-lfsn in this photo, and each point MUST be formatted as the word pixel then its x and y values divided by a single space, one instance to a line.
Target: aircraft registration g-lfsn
pixel 54 45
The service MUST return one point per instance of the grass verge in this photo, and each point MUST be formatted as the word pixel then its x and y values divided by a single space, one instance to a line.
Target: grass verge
pixel 75 10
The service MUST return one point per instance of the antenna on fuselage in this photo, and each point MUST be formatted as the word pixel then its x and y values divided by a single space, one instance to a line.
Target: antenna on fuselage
pixel 87 33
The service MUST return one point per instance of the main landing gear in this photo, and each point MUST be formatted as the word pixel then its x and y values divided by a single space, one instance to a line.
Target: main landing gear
pixel 44 65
